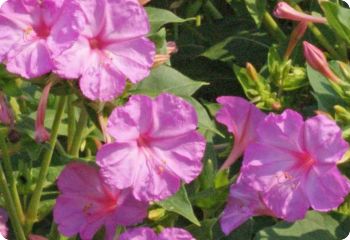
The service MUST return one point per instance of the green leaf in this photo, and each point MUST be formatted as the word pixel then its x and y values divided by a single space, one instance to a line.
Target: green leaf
pixel 315 225
pixel 325 95
pixel 159 17
pixel 256 8
pixel 166 79
pixel 205 231
pixel 180 204
pixel 338 18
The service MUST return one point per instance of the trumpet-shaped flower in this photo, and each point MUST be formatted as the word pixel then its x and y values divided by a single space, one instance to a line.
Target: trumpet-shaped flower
pixel 32 30
pixel 241 118
pixel 86 204
pixel 145 233
pixel 156 145
pixel 285 11
pixel 293 163
pixel 243 203
pixel 112 47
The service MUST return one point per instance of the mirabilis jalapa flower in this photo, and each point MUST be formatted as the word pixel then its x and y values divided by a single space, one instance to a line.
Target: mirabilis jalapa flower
pixel 156 146
pixel 243 203
pixel 293 163
pixel 112 47
pixel 241 118
pixel 32 30
pixel 86 204
pixel 145 233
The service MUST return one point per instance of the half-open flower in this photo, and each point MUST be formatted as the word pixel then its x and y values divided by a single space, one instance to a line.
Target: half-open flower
pixel 241 118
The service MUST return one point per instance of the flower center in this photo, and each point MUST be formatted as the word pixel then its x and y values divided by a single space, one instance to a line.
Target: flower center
pixel 42 31
pixel 95 43
pixel 142 141
pixel 306 161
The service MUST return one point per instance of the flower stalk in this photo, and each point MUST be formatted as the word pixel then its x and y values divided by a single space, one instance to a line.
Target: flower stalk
pixel 32 211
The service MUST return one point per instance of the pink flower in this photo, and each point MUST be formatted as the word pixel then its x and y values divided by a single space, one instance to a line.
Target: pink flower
pixel 317 60
pixel 112 47
pixel 3 222
pixel 243 203
pixel 32 30
pixel 145 233
pixel 241 118
pixel 294 163
pixel 285 11
pixel 6 115
pixel 86 204
pixel 156 145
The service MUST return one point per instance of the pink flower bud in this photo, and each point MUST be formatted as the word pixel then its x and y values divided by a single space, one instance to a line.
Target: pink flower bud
pixel 295 37
pixel 284 11
pixel 317 60
pixel 6 116
pixel 41 134
pixel 36 237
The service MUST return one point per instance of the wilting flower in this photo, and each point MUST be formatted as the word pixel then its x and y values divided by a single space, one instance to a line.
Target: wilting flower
pixel 160 59
pixel 32 30
pixel 285 11
pixel 294 163
pixel 317 60
pixel 41 134
pixel 6 115
pixel 145 233
pixel 3 222
pixel 243 203
pixel 241 118
pixel 144 2
pixel 156 145
pixel 86 204
pixel 112 48
pixel 36 237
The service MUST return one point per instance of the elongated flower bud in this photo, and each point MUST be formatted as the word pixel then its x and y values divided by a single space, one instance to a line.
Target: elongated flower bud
pixel 295 37
pixel 317 60
pixel 284 11
pixel 41 134
pixel 252 73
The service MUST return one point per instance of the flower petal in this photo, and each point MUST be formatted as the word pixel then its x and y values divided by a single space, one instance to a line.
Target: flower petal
pixel 283 131
pixel 118 162
pixel 141 233
pixel 133 58
pixel 331 185
pixel 182 155
pixel 10 34
pixel 100 81
pixel 132 120
pixel 173 116
pixel 175 233
pixel 29 59
pixel 323 140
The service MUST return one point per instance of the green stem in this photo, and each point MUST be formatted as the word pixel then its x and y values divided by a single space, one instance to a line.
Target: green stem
pixel 273 28
pixel 11 179
pixel 11 207
pixel 79 133
pixel 214 12
pixel 71 121
pixel 323 41
pixel 45 164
